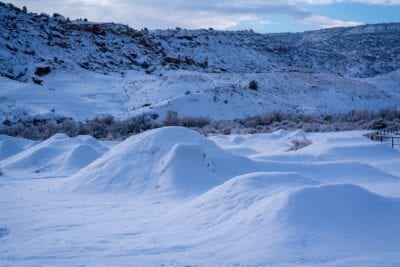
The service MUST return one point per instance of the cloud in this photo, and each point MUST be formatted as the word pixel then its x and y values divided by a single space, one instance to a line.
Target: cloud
pixel 326 22
pixel 370 2
pixel 220 14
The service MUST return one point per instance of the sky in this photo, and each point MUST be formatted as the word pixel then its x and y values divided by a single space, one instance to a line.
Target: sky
pixel 260 15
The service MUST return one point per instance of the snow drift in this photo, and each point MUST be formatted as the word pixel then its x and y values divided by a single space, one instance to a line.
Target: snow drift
pixel 286 217
pixel 172 160
pixel 8 148
pixel 308 207
pixel 59 155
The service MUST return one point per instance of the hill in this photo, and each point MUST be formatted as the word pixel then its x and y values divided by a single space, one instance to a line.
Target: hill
pixel 81 69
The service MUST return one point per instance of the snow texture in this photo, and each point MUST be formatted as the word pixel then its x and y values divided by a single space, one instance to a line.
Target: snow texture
pixel 173 197
pixel 170 196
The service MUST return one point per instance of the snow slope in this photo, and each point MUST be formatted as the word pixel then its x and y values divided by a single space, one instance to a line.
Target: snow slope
pixel 84 94
pixel 173 197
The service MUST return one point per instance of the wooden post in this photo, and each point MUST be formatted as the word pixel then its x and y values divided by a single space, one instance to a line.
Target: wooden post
pixel 392 142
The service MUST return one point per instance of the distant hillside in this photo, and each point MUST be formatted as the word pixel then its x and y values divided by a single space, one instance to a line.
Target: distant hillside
pixel 29 40
pixel 54 67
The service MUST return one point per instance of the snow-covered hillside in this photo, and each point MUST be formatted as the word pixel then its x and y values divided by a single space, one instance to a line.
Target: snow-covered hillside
pixel 220 96
pixel 173 197
pixel 28 40
pixel 88 69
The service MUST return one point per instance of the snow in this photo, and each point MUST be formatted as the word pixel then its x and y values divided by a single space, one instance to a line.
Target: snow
pixel 318 74
pixel 306 222
pixel 173 197
pixel 29 40
pixel 10 146
pixel 171 160
pixel 97 69
pixel 57 156
pixel 81 94
pixel 170 196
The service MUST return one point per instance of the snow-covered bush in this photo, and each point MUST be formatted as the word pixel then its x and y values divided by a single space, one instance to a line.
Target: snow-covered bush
pixel 198 122
pixel 299 144
pixel 108 127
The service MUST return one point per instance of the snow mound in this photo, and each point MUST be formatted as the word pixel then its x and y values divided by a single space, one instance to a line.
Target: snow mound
pixel 81 156
pixel 340 218
pixel 289 214
pixel 243 191
pixel 92 142
pixel 279 134
pixel 187 166
pixel 258 183
pixel 173 160
pixel 261 145
pixel 297 134
pixel 337 172
pixel 8 148
pixel 59 155
pixel 23 143
pixel 367 152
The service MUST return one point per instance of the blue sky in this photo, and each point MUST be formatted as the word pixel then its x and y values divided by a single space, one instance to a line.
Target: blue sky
pixel 346 11
pixel 259 15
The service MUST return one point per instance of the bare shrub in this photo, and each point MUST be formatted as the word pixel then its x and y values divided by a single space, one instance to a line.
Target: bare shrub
pixel 274 116
pixel 198 122
pixel 389 114
pixel 110 128
pixel 378 124
pixel 171 119
pixel 299 144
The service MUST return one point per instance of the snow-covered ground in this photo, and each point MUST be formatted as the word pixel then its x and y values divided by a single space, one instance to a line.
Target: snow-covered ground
pixel 171 197
pixel 220 96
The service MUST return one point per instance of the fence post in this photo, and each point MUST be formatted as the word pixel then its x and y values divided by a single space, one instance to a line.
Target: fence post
pixel 392 142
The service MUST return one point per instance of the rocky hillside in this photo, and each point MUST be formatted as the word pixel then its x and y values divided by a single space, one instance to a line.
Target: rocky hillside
pixel 32 45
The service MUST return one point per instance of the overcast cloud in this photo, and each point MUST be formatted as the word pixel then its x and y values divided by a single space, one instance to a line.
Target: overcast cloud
pixel 220 14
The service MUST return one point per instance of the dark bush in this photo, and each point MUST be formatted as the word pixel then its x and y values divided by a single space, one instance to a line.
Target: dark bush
pixel 42 71
pixel 378 124
pixel 7 122
pixel 253 85
pixel 37 80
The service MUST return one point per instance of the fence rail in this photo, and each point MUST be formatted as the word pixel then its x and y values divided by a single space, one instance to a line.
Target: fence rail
pixel 389 135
